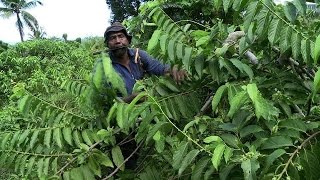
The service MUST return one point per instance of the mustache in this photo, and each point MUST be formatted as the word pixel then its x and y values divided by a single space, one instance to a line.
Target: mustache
pixel 116 48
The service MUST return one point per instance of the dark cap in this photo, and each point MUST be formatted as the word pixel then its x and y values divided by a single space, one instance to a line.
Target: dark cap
pixel 116 27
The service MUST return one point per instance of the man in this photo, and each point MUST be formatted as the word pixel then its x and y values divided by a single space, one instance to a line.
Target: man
pixel 131 64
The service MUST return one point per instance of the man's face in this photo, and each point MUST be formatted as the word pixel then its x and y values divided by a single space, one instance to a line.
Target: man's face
pixel 117 40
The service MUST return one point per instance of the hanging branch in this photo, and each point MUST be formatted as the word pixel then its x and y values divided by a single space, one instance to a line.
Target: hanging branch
pixel 296 152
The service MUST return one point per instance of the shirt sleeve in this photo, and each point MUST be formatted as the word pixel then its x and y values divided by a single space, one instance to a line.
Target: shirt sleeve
pixel 151 65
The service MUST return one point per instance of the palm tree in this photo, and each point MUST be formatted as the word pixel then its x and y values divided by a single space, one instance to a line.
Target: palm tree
pixel 17 8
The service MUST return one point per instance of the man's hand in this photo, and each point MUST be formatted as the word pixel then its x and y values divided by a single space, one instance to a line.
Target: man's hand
pixel 178 75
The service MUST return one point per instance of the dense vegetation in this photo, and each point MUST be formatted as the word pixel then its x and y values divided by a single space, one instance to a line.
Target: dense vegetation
pixel 249 110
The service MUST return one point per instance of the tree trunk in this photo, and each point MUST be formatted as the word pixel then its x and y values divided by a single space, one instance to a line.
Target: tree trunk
pixel 20 27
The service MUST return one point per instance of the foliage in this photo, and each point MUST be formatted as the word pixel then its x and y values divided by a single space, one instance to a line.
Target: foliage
pixel 123 9
pixel 234 118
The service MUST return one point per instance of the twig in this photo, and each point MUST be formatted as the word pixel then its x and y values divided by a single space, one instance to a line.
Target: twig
pixel 296 152
pixel 73 159
pixel 296 107
pixel 117 169
pixel 205 106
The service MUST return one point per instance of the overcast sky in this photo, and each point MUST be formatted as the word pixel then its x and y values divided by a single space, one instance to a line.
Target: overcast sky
pixel 77 18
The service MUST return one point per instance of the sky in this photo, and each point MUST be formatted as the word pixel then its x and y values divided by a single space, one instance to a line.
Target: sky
pixel 77 18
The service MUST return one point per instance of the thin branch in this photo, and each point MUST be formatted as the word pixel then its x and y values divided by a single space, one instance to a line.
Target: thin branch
pixel 75 158
pixel 296 152
pixel 35 154
pixel 118 168
pixel 205 106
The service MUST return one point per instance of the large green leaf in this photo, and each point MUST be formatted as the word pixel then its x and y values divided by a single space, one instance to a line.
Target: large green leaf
pixel 316 52
pixel 301 6
pixel 250 14
pixel 274 30
pixel 316 83
pixel 117 157
pixel 217 97
pixel 296 44
pixel 154 40
pixel 290 11
pixel 179 154
pixel 187 160
pixel 277 142
pixel 250 167
pixel 217 155
pixel 272 157
pixel 296 124
pixel 237 102
pixel 197 172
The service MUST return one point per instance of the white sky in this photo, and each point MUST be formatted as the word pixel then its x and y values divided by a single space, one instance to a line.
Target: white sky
pixel 77 18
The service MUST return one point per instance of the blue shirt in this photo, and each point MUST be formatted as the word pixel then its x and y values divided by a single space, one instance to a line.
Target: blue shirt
pixel 149 65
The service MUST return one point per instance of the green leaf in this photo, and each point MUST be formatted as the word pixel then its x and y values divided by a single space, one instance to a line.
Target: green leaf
pixel 119 117
pixel 263 20
pixel 117 157
pixel 226 5
pixel 76 174
pixel 316 52
pixel 187 160
pixel 249 168
pixel 31 162
pixel 34 138
pixel 285 39
pixel 202 41
pixel 77 138
pixel 163 42
pixel 274 30
pixel 228 152
pixel 295 45
pixel 187 57
pixel 277 142
pixel 272 157
pixel 237 102
pixel 5 141
pixel 154 40
pixel 217 155
pixel 46 165
pixel 301 6
pixel 230 140
pixel 47 137
pixel 296 124
pixel 94 166
pixel 86 137
pixel 251 129
pixel 171 50
pixel 179 154
pixel 306 51
pixel 290 11
pixel 40 168
pixel 103 159
pixel 67 135
pixel 217 97
pixel 23 136
pixel 57 136
pixel 316 83
pixel 250 14
pixel 212 139
pixel 200 166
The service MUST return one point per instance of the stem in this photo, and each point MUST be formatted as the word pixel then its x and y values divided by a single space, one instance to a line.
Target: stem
pixel 73 159
pixel 117 169
pixel 205 106
pixel 35 154
pixel 296 152
pixel 189 138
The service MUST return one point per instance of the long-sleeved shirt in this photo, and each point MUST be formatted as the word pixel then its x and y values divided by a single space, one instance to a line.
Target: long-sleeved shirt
pixel 136 72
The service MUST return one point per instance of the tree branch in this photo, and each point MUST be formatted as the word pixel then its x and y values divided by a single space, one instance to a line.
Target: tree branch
pixel 296 152
pixel 117 169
